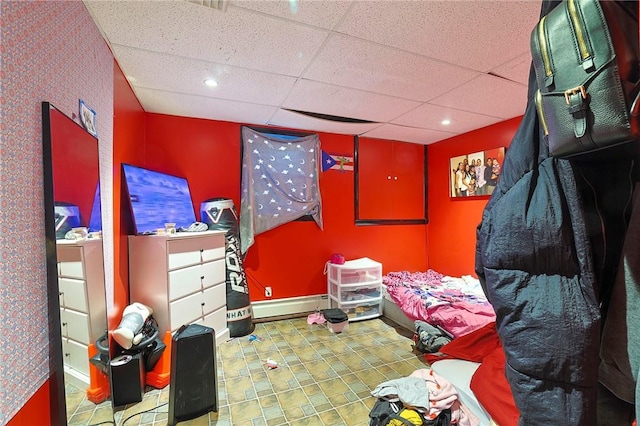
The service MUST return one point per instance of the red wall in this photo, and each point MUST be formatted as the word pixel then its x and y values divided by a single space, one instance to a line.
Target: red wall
pixel 453 221
pixel 290 258
pixel 75 155
pixel 128 138
pixel 35 411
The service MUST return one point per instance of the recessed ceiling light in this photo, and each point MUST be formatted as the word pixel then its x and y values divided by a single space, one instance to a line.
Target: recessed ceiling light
pixel 210 82
pixel 445 122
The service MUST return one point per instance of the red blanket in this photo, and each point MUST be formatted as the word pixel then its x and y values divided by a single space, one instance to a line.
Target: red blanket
pixel 488 383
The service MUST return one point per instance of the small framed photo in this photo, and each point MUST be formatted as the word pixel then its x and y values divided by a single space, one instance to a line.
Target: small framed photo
pixel 475 174
pixel 88 118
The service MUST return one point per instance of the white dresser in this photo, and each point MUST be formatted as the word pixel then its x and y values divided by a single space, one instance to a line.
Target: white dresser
pixel 83 315
pixel 356 288
pixel 182 278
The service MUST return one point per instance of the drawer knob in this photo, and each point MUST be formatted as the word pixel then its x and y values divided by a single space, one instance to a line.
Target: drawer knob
pixel 67 354
pixel 201 250
pixel 64 324
pixel 202 304
pixel 202 277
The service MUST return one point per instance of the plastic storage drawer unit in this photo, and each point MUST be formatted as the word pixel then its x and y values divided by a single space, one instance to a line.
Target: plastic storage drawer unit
pixel 356 288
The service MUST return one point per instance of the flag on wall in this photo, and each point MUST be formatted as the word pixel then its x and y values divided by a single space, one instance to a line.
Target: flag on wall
pixel 336 162
pixel 279 182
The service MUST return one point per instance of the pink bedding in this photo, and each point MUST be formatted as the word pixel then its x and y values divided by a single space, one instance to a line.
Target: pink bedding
pixel 456 304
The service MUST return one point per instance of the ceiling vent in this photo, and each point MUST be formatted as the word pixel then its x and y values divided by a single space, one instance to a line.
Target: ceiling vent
pixel 328 117
pixel 220 5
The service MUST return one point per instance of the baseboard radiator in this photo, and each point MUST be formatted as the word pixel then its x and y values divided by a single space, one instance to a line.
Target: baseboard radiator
pixel 287 308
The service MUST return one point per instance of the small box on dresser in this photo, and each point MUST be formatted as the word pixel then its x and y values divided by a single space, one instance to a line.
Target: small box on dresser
pixel 182 278
pixel 356 288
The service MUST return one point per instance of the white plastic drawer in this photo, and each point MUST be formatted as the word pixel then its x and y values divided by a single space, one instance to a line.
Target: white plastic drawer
pixel 216 320
pixel 359 310
pixel 185 281
pixel 75 356
pixel 344 275
pixel 359 276
pixel 355 293
pixel 185 310
pixel 73 294
pixel 75 325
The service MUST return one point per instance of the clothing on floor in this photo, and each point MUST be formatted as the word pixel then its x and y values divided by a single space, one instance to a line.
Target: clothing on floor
pixel 443 396
pixel 429 338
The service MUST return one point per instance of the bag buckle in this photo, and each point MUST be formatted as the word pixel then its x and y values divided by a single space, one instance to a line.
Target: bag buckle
pixel 570 92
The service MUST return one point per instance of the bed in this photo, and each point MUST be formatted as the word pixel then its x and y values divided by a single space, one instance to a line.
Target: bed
pixel 456 304
pixel 474 361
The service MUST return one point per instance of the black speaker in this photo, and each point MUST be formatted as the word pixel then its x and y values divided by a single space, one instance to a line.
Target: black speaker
pixel 127 379
pixel 193 388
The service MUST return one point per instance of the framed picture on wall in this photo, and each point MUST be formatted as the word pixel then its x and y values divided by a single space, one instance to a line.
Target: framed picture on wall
pixel 475 174
pixel 88 118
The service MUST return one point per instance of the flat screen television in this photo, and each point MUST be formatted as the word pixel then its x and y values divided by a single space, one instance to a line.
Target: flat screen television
pixel 67 216
pixel 157 198
pixel 95 222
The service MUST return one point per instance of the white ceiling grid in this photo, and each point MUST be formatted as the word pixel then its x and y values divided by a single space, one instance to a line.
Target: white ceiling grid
pixel 404 65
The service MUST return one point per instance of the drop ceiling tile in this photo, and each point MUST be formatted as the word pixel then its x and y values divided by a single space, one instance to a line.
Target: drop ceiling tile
pixel 429 116
pixel 478 35
pixel 184 75
pixel 380 69
pixel 201 107
pixel 237 37
pixel 311 96
pixel 407 134
pixel 292 120
pixel 487 95
pixel 321 14
pixel 516 70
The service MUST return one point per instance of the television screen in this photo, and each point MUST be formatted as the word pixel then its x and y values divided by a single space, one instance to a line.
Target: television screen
pixel 95 222
pixel 67 216
pixel 157 198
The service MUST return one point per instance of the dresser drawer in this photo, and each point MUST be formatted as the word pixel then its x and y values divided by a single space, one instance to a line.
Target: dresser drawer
pixel 73 294
pixel 185 281
pixel 75 356
pixel 71 269
pixel 214 273
pixel 188 280
pixel 214 253
pixel 186 310
pixel 216 320
pixel 191 251
pixel 214 297
pixel 75 325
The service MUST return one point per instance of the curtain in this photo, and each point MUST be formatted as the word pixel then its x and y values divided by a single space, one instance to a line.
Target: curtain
pixel 279 182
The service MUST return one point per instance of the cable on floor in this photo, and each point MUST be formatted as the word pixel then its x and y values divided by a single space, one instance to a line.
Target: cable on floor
pixel 142 412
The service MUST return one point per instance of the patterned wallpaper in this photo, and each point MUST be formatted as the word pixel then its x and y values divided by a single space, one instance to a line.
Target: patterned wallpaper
pixel 49 51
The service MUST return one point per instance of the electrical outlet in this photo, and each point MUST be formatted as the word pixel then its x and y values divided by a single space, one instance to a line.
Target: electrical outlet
pixel 267 292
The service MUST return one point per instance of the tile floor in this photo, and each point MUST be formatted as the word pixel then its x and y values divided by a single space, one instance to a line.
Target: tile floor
pixel 321 379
